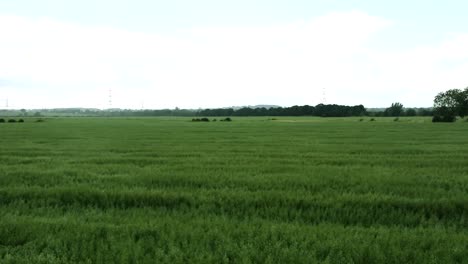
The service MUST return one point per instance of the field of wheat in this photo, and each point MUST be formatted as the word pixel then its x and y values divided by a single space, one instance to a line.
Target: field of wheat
pixel 254 190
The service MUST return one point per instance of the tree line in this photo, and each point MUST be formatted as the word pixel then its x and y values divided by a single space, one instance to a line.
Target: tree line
pixel 447 106
pixel 331 110
pixel 397 110
pixel 321 110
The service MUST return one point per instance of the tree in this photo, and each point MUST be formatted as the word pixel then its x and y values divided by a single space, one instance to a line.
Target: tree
pixel 463 103
pixel 449 104
pixel 410 112
pixel 396 109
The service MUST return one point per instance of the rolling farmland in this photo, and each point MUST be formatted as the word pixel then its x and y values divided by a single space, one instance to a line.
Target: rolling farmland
pixel 255 190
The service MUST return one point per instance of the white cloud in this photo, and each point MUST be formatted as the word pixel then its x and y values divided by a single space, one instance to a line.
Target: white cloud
pixel 72 65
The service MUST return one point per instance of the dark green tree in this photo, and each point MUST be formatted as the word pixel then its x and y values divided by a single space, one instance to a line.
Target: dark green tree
pixel 396 109
pixel 449 104
pixel 462 100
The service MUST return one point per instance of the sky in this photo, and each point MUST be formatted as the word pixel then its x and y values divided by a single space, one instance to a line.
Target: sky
pixel 156 54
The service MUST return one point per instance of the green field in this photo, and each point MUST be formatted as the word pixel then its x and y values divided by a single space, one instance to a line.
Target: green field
pixel 292 190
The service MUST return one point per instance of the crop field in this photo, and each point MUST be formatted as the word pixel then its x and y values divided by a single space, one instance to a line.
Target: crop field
pixel 254 190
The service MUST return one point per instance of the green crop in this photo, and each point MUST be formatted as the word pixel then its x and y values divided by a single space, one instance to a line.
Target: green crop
pixel 254 190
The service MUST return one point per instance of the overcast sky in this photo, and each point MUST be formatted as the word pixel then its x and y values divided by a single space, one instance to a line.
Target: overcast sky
pixel 214 53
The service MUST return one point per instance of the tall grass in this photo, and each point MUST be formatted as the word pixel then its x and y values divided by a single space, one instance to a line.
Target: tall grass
pixel 291 190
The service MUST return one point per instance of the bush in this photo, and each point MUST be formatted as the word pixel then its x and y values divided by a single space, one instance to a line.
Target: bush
pixel 204 119
pixel 396 119
pixel 11 121
pixel 362 119
pixel 2 120
pixel 227 119
pixel 445 119
pixel 450 118
pixel 42 120
pixel 21 121
pixel 372 119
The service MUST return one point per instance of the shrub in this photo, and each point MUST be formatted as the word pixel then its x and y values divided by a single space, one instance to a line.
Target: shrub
pixel 11 121
pixel 204 119
pixel 450 118
pixel 214 120
pixel 227 119
pixel 42 120
pixel 396 119
pixel 2 120
pixel 372 119
pixel 21 121
pixel 445 119
pixel 362 119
